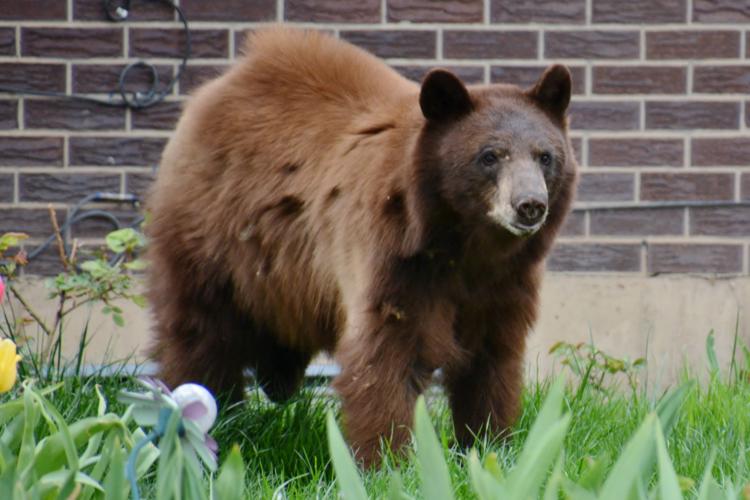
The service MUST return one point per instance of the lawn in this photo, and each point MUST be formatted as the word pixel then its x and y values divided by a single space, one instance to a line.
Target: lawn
pixel 285 448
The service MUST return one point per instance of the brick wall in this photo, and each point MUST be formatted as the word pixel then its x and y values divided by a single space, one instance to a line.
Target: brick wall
pixel 661 108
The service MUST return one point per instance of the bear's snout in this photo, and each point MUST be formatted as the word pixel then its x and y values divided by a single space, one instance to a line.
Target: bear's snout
pixel 531 209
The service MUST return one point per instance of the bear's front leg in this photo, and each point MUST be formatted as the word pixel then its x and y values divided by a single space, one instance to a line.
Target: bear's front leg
pixel 381 377
pixel 485 393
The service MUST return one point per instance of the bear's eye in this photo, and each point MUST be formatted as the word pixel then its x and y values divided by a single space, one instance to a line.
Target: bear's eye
pixel 488 158
pixel 545 159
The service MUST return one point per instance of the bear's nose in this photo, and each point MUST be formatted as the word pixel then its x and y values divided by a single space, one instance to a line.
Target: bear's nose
pixel 530 210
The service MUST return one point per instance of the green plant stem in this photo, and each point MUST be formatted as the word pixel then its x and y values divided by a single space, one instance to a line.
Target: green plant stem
pixel 30 310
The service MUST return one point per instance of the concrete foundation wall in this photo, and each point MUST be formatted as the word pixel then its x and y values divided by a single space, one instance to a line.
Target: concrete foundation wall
pixel 666 319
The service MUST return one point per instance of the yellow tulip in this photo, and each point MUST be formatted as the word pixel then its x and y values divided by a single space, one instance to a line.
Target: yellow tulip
pixel 8 361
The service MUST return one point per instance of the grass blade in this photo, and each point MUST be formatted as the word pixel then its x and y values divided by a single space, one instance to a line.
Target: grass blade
pixel 433 471
pixel 669 486
pixel 350 484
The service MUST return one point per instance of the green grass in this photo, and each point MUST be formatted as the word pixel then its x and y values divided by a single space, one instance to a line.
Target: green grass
pixel 285 449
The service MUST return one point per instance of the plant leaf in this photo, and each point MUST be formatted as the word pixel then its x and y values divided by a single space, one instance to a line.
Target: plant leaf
pixel 433 471
pixel 350 484
pixel 231 481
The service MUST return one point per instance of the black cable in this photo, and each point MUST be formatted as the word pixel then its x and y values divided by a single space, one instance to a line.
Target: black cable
pixel 132 100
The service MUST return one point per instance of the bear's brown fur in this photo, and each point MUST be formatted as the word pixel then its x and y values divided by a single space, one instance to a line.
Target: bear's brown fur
pixel 313 199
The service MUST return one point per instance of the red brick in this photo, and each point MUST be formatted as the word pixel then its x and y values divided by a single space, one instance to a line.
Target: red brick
pixel 721 11
pixel 7 42
pixel 162 116
pixel 688 186
pixel 729 221
pixel 682 258
pixel 115 151
pixel 72 115
pixel 596 257
pixel 31 151
pixel 229 10
pixel 138 183
pixel 8 114
pixel 395 43
pixel 574 225
pixel 24 76
pixel 747 114
pixel 639 11
pixel 635 152
pixel 194 76
pixel 36 10
pixel 429 11
pixel 592 44
pixel 709 152
pixel 745 186
pixel 721 79
pixel 692 44
pixel 468 74
pixel 93 10
pixel 577 144
pixel 606 187
pixel 103 78
pixel 526 76
pixel 7 185
pixel 489 44
pixel 341 11
pixel 637 222
pixel 687 115
pixel 63 187
pixel 33 221
pixel 604 115
pixel 71 42
pixel 161 42
pixel 538 11
pixel 639 80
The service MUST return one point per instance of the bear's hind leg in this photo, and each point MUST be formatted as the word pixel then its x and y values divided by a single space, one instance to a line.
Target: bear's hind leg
pixel 279 370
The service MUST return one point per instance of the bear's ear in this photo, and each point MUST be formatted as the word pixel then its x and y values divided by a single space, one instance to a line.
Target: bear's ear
pixel 552 91
pixel 443 96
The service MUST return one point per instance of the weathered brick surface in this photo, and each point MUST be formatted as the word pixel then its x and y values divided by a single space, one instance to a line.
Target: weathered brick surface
pixel 691 186
pixel 639 79
pixel 635 152
pixel 639 11
pixel 395 43
pixel 606 187
pixel 31 151
pixel 363 11
pixel 33 10
pixel 709 152
pixel 526 76
pixel 429 11
pixel 721 11
pixel 691 258
pixel 7 187
pixel 720 221
pixel 461 44
pixel 229 10
pixel 72 115
pixel 115 151
pixel 637 222
pixel 538 11
pixel 161 117
pixel 7 42
pixel 64 187
pixel 605 115
pixel 71 42
pixel 33 76
pixel 660 110
pixel 680 115
pixel 160 42
pixel 695 44
pixel 713 79
pixel 8 114
pixel 594 44
pixel 593 257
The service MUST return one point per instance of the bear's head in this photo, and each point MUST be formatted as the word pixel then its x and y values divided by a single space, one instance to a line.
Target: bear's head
pixel 498 154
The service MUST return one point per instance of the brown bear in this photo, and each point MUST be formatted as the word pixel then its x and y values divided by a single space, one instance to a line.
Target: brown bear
pixel 312 199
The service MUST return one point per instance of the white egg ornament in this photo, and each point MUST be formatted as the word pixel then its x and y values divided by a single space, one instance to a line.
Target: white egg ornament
pixel 197 404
